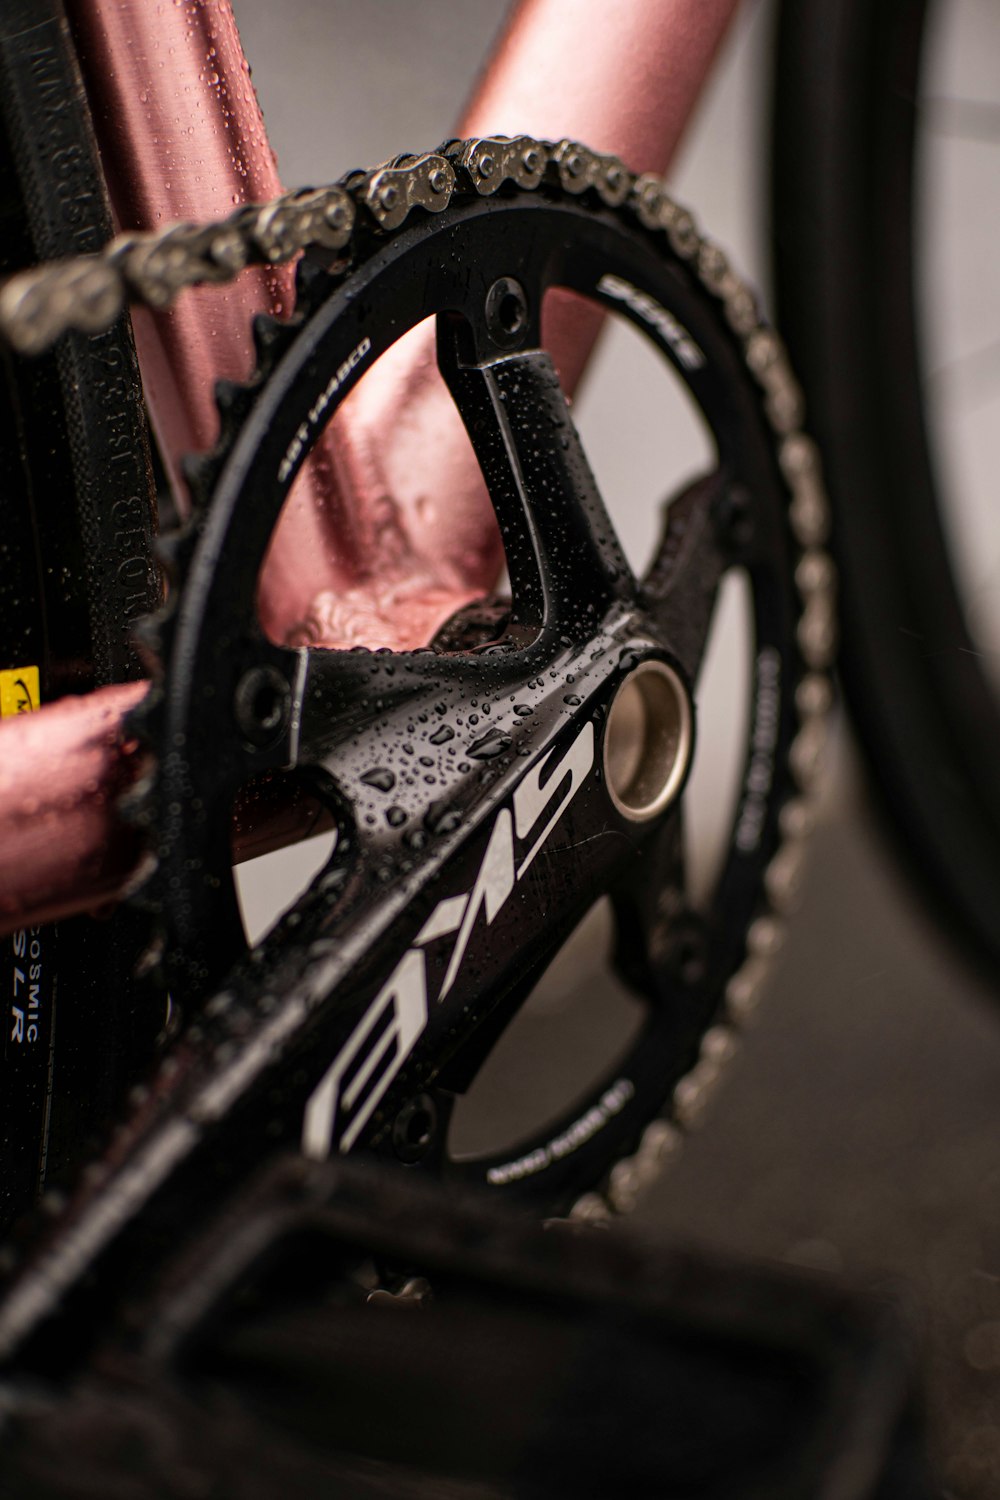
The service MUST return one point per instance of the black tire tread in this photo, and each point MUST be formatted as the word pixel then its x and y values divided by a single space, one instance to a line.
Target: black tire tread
pixel 847 79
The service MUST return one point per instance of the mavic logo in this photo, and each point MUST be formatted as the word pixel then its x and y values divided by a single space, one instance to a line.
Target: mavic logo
pixel 348 1093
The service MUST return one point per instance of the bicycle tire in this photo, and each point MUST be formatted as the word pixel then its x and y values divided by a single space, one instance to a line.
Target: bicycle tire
pixel 76 523
pixel 844 137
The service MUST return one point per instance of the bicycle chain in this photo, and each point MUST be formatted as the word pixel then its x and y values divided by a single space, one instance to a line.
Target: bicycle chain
pixel 87 294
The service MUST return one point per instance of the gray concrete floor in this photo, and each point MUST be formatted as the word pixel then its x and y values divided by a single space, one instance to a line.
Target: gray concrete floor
pixel 858 1133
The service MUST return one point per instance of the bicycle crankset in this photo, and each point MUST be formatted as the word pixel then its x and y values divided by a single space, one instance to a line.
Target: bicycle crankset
pixel 484 797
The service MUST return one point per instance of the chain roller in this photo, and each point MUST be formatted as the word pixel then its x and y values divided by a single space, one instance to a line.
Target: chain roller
pixel 580 169
pixel 409 182
pixel 489 161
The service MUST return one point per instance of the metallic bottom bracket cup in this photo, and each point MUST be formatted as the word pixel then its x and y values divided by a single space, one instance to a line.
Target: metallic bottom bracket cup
pixel 648 742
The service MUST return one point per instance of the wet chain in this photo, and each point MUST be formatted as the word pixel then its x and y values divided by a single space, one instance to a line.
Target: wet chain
pixel 87 295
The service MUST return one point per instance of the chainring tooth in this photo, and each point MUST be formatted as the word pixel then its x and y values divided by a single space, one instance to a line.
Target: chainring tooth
pixel 266 336
pixel 311 281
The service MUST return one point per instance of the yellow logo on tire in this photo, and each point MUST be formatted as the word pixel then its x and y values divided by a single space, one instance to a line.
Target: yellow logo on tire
pixel 19 691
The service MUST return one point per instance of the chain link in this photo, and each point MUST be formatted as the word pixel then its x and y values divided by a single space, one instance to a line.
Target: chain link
pixel 87 294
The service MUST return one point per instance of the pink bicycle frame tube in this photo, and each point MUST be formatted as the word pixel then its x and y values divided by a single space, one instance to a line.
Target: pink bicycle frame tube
pixel 364 554
pixel 360 556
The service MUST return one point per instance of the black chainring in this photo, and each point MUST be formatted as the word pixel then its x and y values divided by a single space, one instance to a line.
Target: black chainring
pixel 423 753
pixel 475 824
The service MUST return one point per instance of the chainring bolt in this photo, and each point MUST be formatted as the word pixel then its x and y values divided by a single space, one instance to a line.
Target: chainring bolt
pixel 733 517
pixel 506 312
pixel 261 704
pixel 414 1128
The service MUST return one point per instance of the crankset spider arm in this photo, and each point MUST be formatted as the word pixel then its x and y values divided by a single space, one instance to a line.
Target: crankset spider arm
pixel 563 556
pixel 414 934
